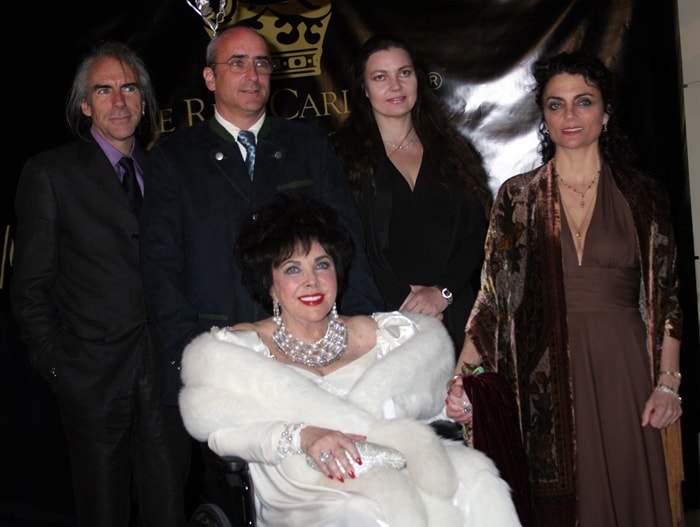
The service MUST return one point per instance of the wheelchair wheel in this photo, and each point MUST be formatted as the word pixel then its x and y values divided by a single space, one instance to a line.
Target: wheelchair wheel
pixel 209 515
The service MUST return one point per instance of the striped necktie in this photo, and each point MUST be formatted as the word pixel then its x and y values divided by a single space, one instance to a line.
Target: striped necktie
pixel 247 139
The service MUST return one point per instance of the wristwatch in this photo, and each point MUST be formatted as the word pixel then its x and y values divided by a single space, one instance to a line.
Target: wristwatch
pixel 446 294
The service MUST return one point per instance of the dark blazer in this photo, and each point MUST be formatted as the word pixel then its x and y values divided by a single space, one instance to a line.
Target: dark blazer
pixel 76 289
pixel 199 194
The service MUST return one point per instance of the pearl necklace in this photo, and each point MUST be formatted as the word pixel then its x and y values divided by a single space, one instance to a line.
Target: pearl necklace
pixel 315 355
pixel 582 194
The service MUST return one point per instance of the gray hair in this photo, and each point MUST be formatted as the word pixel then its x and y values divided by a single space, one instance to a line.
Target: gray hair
pixel 79 122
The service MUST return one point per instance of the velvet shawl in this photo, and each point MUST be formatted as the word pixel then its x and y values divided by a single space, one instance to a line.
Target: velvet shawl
pixel 518 322
pixel 495 432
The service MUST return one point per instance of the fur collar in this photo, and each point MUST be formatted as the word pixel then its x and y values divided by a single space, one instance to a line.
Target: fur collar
pixel 231 383
pixel 413 375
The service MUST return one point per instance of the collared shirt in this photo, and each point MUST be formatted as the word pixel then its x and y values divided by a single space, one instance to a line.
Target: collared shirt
pixel 115 156
pixel 233 130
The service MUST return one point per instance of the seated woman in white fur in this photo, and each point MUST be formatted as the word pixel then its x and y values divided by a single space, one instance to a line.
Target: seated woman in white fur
pixel 331 411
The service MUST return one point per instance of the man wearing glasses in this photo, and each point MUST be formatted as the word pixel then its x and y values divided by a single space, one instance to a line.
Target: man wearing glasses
pixel 206 179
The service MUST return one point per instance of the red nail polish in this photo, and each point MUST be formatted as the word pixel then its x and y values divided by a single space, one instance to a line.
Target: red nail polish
pixel 330 476
pixel 359 461
pixel 352 475
pixel 341 479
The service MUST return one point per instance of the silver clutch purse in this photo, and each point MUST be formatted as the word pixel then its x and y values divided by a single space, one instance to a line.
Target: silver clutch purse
pixel 373 456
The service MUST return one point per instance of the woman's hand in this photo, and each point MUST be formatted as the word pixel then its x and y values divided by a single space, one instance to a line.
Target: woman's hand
pixel 330 450
pixel 457 405
pixel 425 300
pixel 661 410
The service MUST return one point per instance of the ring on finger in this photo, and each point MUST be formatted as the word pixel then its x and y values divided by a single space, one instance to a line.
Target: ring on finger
pixel 467 409
pixel 324 457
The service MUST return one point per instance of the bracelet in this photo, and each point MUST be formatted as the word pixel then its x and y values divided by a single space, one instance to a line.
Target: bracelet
pixel 290 439
pixel 674 374
pixel 664 388
pixel 472 369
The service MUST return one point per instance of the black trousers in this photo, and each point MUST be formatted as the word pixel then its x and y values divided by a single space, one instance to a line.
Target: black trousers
pixel 129 451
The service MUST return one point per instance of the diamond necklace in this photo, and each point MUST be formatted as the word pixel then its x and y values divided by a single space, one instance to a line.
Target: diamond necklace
pixel 582 194
pixel 315 355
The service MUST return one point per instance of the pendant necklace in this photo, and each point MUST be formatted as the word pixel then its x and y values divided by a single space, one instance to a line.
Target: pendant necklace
pixel 582 194
pixel 317 354
pixel 577 230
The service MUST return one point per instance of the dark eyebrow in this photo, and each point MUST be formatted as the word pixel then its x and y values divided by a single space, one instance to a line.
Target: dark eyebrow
pixel 577 96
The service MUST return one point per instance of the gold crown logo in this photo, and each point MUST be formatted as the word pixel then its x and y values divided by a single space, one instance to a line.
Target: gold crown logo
pixel 295 30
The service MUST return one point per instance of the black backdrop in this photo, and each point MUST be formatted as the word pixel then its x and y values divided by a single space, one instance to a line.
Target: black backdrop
pixel 479 54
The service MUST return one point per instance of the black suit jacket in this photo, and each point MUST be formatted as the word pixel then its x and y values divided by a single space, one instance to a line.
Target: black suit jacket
pixel 76 289
pixel 199 193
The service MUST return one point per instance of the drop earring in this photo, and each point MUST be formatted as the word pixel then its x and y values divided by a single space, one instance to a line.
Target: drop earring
pixel 276 313
pixel 334 312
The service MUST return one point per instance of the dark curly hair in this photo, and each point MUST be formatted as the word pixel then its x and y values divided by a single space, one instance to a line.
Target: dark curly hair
pixel 272 233
pixel 614 145
pixel 359 143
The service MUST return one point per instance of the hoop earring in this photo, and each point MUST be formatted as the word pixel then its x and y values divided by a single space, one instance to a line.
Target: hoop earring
pixel 276 310
pixel 334 312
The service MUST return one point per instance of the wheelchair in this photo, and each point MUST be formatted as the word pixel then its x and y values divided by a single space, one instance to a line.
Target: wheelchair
pixel 229 492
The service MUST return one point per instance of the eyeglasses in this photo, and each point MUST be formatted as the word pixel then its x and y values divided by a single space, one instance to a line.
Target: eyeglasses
pixel 262 65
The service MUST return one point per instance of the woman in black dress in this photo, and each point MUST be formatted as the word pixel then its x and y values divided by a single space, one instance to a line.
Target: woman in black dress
pixel 419 184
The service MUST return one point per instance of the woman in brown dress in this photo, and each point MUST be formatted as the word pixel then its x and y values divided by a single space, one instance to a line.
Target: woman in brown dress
pixel 578 309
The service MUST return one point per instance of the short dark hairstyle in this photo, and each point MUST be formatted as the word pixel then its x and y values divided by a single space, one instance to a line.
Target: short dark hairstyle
pixel 273 232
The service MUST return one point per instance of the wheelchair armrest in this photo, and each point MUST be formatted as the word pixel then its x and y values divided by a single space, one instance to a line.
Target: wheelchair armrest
pixel 228 484
pixel 232 463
